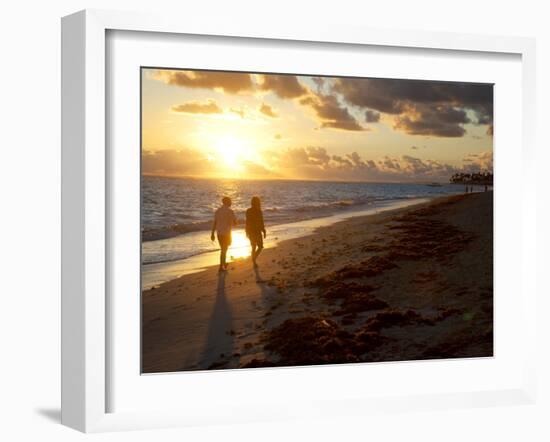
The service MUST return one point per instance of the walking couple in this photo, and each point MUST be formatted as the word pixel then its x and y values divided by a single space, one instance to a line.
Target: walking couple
pixel 225 220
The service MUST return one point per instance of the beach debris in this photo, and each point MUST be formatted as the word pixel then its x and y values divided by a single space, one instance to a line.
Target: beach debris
pixel 308 340
pixel 218 365
pixel 425 277
pixel 353 298
pixel 259 363
pixel 371 248
pixel 468 316
pixel 391 318
pixel 317 340
pixel 462 345
pixel 419 237
pixel 446 312
pixel 373 266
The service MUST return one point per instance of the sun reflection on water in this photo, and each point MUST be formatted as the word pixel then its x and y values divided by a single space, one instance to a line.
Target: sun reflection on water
pixel 240 246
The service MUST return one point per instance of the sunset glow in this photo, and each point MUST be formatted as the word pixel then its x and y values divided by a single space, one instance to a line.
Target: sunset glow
pixel 241 125
pixel 240 246
pixel 232 152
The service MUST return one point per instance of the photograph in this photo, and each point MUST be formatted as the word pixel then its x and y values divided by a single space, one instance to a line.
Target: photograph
pixel 291 219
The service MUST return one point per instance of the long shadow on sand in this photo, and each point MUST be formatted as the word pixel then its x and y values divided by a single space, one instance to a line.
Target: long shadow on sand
pixel 219 341
pixel 264 288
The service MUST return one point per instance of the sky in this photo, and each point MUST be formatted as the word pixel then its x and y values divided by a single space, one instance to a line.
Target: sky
pixel 216 124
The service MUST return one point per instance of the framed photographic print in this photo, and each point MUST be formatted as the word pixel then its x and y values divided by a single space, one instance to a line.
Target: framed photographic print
pixel 272 224
pixel 384 257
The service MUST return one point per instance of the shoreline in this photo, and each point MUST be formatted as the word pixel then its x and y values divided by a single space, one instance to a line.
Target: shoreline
pixel 411 283
pixel 154 274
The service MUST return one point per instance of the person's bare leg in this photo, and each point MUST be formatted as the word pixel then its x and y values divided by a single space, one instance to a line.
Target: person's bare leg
pixel 223 256
pixel 253 253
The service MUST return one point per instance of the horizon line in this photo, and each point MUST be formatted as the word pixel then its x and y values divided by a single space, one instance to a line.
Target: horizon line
pixel 427 181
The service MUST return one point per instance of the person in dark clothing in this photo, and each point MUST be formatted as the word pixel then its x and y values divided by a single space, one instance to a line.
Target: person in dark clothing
pixel 255 229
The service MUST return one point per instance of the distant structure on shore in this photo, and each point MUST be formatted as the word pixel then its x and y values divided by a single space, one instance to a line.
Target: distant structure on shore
pixel 483 178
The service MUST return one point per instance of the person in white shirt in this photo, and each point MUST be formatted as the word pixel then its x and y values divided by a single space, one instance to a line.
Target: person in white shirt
pixel 224 220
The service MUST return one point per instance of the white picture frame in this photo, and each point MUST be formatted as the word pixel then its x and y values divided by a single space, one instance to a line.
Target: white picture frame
pixel 85 202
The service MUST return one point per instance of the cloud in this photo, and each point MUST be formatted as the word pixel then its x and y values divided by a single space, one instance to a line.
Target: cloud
pixel 422 107
pixel 228 82
pixel 266 109
pixel 477 162
pixel 430 168
pixel 330 113
pixel 316 163
pixel 284 86
pixel 255 170
pixel 341 162
pixel 240 112
pixel 372 116
pixel 416 107
pixel 174 162
pixel 390 163
pixel 300 156
pixel 439 121
pixel 198 107
pixel 318 156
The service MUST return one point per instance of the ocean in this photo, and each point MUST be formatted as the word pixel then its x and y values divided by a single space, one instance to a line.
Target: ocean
pixel 176 214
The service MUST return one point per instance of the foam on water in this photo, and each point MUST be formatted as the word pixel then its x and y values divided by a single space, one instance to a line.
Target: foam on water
pixel 177 214
pixel 161 271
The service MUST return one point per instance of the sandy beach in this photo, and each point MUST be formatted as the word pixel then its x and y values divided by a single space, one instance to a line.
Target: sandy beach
pixel 407 284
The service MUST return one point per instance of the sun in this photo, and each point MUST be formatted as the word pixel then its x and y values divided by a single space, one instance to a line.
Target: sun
pixel 240 246
pixel 232 152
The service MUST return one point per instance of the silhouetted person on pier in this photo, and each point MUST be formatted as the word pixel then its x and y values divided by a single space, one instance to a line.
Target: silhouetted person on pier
pixel 224 221
pixel 255 229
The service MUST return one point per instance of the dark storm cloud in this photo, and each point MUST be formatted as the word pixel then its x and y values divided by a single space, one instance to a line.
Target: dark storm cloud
pixel 330 113
pixel 372 116
pixel 422 107
pixel 438 120
pixel 284 86
pixel 197 107
pixel 229 82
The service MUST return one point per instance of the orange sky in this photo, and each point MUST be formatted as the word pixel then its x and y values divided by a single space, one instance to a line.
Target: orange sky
pixel 241 125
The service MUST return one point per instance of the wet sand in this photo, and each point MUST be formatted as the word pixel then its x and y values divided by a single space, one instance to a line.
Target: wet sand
pixel 408 284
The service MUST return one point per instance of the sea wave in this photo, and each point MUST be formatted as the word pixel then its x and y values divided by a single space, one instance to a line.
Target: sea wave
pixel 272 215
pixel 180 207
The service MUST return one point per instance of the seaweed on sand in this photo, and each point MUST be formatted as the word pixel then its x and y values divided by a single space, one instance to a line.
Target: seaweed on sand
pixel 353 298
pixel 373 266
pixel 316 340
